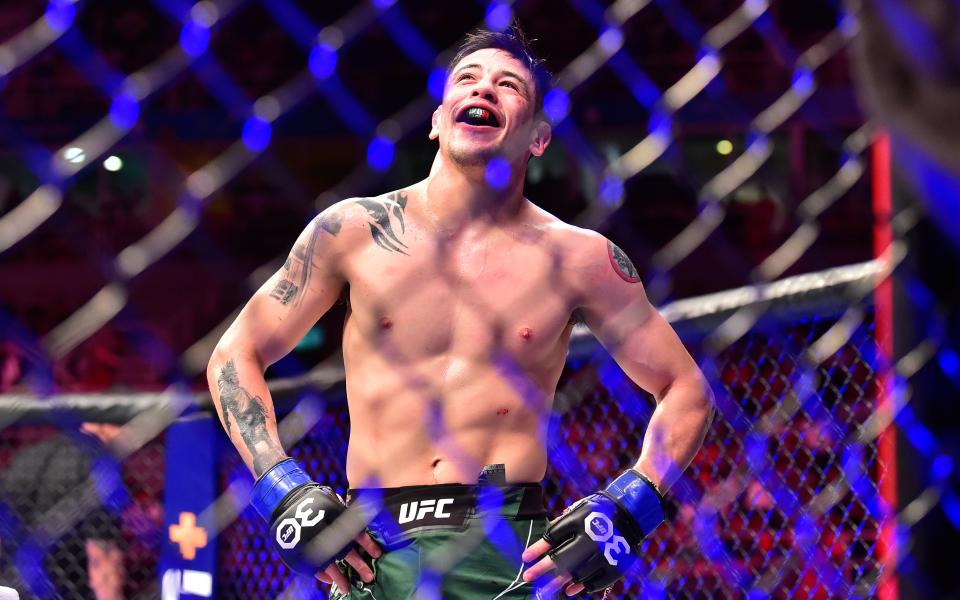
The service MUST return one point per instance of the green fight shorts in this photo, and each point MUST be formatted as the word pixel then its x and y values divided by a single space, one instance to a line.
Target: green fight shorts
pixel 455 542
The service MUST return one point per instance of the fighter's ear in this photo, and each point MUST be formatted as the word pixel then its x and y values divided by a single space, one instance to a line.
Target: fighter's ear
pixel 435 125
pixel 542 134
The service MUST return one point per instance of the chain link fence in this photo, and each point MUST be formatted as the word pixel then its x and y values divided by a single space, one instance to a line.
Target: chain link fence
pixel 789 496
pixel 51 534
pixel 745 516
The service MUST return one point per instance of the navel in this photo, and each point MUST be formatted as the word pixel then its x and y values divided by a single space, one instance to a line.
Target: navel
pixel 385 323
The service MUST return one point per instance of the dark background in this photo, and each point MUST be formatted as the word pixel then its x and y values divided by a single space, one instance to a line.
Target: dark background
pixel 256 216
pixel 318 155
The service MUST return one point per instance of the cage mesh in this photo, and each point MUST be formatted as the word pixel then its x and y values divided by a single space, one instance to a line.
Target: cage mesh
pixel 48 518
pixel 737 522
pixel 782 500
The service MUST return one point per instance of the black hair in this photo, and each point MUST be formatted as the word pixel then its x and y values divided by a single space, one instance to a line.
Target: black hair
pixel 515 43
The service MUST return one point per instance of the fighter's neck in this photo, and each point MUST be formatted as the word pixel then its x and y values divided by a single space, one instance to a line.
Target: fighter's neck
pixel 454 197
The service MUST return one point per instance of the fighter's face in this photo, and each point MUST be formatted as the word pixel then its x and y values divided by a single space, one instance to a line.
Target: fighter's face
pixel 488 110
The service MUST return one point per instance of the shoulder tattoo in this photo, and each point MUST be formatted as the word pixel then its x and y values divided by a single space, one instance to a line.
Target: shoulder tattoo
pixel 299 264
pixel 330 222
pixel 621 263
pixel 385 217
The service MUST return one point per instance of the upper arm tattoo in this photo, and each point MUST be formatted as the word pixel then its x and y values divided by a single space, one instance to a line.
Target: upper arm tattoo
pixel 250 416
pixel 299 264
pixel 385 217
pixel 621 263
pixel 381 225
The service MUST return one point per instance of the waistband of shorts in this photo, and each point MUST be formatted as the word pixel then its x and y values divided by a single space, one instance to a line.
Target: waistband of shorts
pixel 405 512
pixel 519 501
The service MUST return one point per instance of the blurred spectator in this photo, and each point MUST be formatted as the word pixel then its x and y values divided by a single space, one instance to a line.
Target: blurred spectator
pixel 61 527
pixel 11 366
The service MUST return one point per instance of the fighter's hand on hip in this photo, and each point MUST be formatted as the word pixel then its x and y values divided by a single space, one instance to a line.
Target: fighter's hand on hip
pixel 544 566
pixel 333 574
pixel 597 539
pixel 308 526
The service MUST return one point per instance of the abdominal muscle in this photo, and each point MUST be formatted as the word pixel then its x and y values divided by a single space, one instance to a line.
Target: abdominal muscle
pixel 440 420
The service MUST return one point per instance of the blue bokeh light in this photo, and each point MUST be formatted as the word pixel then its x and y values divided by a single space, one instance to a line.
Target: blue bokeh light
pixel 436 82
pixel 29 560
pixel 499 14
pixel 949 364
pixel 919 436
pixel 803 81
pixel 847 23
pixel 497 173
pixel 611 190
pixel 256 134
pixel 59 15
pixel 942 467
pixel 757 141
pixel 194 38
pixel 124 111
pixel 660 124
pixel 556 104
pixel 611 40
pixel 323 61
pixel 380 153
pixel 951 507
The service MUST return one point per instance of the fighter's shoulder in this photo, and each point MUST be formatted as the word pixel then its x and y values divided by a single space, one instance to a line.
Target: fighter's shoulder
pixel 354 213
pixel 581 247
pixel 594 258
pixel 394 200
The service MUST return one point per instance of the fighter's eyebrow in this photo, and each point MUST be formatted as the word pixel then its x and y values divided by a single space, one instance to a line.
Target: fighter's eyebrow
pixel 520 80
pixel 505 72
pixel 465 67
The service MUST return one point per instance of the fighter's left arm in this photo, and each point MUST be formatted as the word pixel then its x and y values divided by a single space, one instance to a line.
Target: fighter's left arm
pixel 648 350
pixel 615 307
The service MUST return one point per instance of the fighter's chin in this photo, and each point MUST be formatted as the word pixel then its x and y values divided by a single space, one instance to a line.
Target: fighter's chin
pixel 473 155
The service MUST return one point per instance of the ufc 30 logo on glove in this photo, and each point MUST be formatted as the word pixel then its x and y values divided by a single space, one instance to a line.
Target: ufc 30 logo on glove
pixel 600 529
pixel 597 539
pixel 298 510
pixel 288 531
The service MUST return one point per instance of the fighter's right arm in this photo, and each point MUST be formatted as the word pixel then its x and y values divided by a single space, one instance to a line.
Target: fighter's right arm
pixel 270 325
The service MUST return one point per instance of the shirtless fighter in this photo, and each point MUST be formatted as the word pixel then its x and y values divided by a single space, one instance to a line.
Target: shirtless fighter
pixel 462 299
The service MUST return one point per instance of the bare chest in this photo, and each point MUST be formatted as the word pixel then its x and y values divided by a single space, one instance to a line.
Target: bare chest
pixel 473 297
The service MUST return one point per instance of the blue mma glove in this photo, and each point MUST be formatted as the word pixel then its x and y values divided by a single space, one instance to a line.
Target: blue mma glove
pixel 298 510
pixel 598 538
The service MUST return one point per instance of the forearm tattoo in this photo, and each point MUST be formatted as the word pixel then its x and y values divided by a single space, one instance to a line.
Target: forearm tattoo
pixel 381 226
pixel 299 264
pixel 250 415
pixel 621 263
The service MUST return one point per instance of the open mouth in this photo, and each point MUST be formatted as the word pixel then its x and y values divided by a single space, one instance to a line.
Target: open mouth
pixel 478 117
